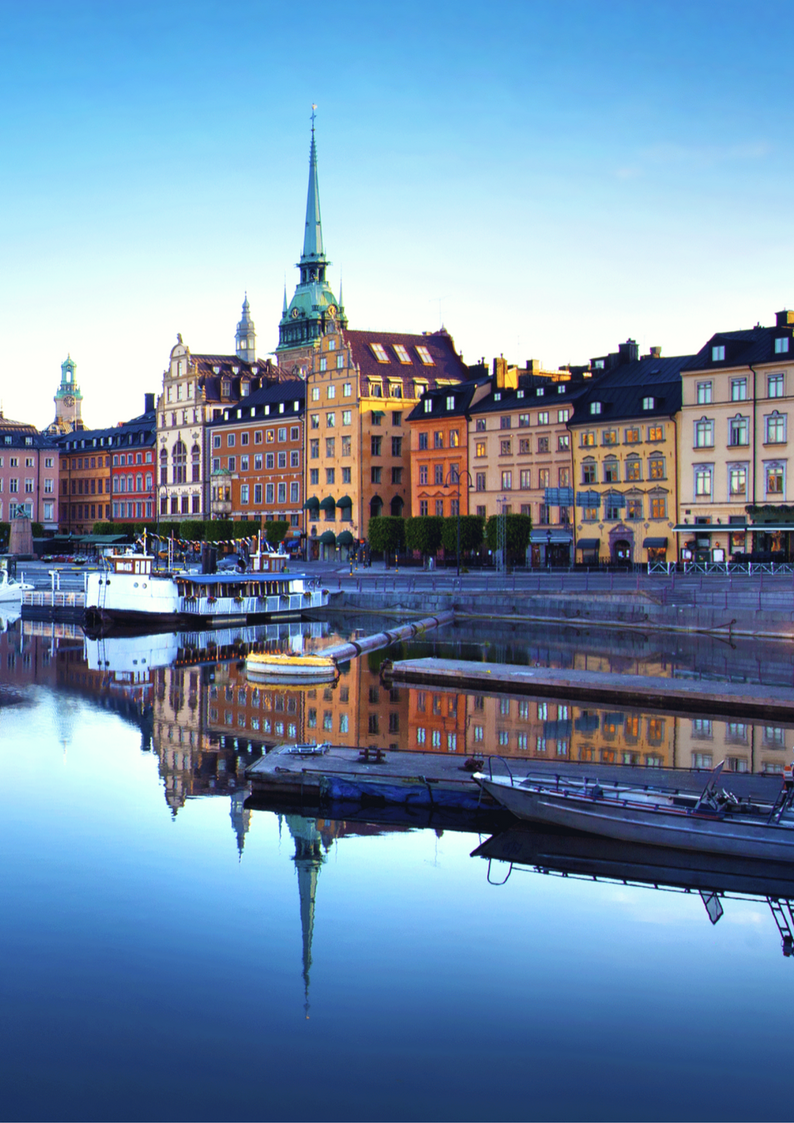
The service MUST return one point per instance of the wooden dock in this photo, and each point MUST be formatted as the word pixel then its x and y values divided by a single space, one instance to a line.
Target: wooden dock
pixel 643 692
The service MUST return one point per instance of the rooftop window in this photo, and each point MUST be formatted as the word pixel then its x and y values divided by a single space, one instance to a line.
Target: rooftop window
pixel 425 356
pixel 401 353
pixel 541 390
pixel 648 403
pixel 781 345
pixel 379 351
pixel 595 407
pixel 718 354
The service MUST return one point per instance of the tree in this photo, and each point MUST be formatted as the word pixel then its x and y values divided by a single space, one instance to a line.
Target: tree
pixel 386 534
pixel 192 530
pixel 471 533
pixel 423 533
pixel 518 529
pixel 275 531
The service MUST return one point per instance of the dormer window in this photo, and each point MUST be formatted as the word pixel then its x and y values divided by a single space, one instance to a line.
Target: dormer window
pixel 520 394
pixel 451 401
pixel 425 356
pixel 331 344
pixel 245 390
pixel 226 388
pixel 379 351
pixel 781 345
pixel 718 354
pixel 428 405
pixel 235 370
pixel 598 364
pixel 648 403
pixel 216 370
pixel 595 407
pixel 401 353
pixel 296 406
pixel 561 389
pixel 541 390
pixel 254 370
pixel 497 396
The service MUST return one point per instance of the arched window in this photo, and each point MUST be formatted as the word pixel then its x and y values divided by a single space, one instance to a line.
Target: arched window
pixel 179 462
pixel 163 467
pixel 397 506
pixel 149 481
pixel 375 506
pixel 195 458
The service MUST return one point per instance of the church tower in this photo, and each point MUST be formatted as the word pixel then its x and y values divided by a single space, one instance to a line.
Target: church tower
pixel 68 400
pixel 245 338
pixel 314 308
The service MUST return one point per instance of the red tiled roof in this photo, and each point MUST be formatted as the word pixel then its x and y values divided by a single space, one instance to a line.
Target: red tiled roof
pixel 447 363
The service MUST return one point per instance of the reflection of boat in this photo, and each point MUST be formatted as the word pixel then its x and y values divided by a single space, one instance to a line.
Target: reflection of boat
pixel 276 667
pixel 713 876
pixel 11 590
pixel 9 614
pixel 717 822
pixel 128 590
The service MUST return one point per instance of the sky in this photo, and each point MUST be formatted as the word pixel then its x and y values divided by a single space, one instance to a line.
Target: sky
pixel 546 178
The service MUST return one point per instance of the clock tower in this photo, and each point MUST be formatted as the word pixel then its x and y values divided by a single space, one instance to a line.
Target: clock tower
pixel 313 309
pixel 68 400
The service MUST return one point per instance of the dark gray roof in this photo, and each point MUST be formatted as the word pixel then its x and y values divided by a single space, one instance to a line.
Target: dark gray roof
pixel 743 348
pixel 526 396
pixel 253 405
pixel 461 396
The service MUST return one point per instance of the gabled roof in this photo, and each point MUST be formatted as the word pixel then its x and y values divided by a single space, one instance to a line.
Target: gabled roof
pixel 445 363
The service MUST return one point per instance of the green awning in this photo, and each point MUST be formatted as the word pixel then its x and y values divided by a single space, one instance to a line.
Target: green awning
pixel 327 504
pixel 328 538
pixel 588 544
pixel 655 543
pixel 345 539
pixel 345 501
pixel 377 413
pixel 313 502
pixel 99 539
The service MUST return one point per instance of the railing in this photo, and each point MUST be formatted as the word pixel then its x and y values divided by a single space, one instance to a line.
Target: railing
pixel 722 569
pixel 46 599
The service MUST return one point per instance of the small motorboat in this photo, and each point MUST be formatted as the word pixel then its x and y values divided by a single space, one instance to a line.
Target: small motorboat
pixel 280 667
pixel 11 590
pixel 715 822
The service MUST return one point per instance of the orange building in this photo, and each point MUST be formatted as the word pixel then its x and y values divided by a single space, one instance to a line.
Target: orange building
pixel 439 448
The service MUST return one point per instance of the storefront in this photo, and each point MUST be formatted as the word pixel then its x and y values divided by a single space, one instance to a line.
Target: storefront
pixel 588 550
pixel 550 548
pixel 656 548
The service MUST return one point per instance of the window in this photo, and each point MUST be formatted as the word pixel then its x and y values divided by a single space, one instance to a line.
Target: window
pixel 244 495
pixel 774 385
pixel 479 426
pixel 737 480
pixel 544 477
pixel 425 356
pixel 440 507
pixel 543 444
pixel 781 345
pixel 379 351
pixel 479 448
pixel 347 416
pixel 314 450
pixel 612 508
pixel 330 448
pixel 563 442
pixel 270 457
pixel 609 437
pixel 718 354
pixel 775 477
pixel 633 471
pixel 595 407
pixel 738 431
pixel 704 393
pixel 588 440
pixel 704 433
pixel 611 472
pixel 703 476
pixel 423 474
pixel 258 437
pixel 524 447
pixel 346 475
pixel 523 420
pixel 395 389
pixel 347 389
pixel 438 439
pixel 314 476
pixel 505 448
pixel 454 438
pixel 396 446
pixel 658 507
pixel 401 353
pixel 526 479
pixel 562 416
pixel 314 421
pixel 375 475
pixel 738 389
pixel 649 403
pixel 656 468
pixel 347 446
pixel 243 463
pixel 295 459
pixel 397 476
pixel 543 418
pixel 507 481
pixel 655 432
pixel 230 438
pixel 589 473
pixel 775 429
pixel 331 392
pixel 504 422
pixel 479 481
pixel 632 436
pixel 422 506
pixel 438 473
pixel 375 445
pixel 634 509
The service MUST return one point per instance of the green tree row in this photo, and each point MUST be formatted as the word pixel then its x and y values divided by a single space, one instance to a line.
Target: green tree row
pixel 195 530
pixel 426 534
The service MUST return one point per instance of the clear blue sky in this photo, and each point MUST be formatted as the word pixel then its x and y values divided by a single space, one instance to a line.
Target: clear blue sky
pixel 549 177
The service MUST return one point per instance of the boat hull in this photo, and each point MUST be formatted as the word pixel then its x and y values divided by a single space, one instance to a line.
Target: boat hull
pixel 650 826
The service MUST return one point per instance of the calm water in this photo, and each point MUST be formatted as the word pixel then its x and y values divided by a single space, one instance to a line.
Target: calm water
pixel 170 954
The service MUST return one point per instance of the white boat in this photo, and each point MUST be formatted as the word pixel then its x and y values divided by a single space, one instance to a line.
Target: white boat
pixel 716 822
pixel 279 667
pixel 11 590
pixel 127 590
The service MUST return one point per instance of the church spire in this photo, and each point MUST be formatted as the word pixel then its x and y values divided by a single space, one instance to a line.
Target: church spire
pixel 245 337
pixel 313 236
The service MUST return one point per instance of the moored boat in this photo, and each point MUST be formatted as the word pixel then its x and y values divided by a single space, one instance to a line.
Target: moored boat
pixel 716 823
pixel 11 590
pixel 280 667
pixel 129 590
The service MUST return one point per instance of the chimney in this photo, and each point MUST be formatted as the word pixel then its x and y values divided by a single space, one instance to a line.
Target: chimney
pixel 655 353
pixel 628 352
pixel 784 318
pixel 148 403
pixel 506 378
pixel 534 366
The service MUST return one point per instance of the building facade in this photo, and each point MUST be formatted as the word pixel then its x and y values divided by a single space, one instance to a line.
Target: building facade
pixel 132 468
pixel 440 476
pixel 28 474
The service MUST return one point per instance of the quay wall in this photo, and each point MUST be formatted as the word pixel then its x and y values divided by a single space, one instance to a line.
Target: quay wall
pixel 606 610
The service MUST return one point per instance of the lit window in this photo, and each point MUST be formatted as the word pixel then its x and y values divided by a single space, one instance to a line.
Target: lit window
pixel 379 351
pixel 425 356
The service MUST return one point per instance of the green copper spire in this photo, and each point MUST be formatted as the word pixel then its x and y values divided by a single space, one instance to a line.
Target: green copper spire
pixel 314 309
pixel 313 238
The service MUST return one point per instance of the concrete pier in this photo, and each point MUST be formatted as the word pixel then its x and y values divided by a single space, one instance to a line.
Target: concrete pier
pixel 640 691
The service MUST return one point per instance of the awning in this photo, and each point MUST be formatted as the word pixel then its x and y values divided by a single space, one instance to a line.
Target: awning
pixel 327 504
pixel 764 527
pixel 345 539
pixel 655 543
pixel 552 537
pixel 99 539
pixel 588 544
pixel 345 501
pixel 328 538
pixel 313 502
pixel 377 412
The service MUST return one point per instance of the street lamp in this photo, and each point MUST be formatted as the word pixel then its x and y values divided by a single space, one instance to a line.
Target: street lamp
pixel 452 478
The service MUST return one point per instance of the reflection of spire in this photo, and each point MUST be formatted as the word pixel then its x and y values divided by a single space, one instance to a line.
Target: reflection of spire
pixel 240 816
pixel 308 858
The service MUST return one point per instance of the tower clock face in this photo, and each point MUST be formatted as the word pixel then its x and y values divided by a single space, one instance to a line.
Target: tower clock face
pixel 68 400
pixel 295 313
pixel 332 310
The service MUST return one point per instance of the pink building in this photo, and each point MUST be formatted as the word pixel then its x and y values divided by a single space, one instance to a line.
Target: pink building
pixel 28 473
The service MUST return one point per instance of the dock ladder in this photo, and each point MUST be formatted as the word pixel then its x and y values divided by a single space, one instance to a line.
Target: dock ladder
pixel 783 922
